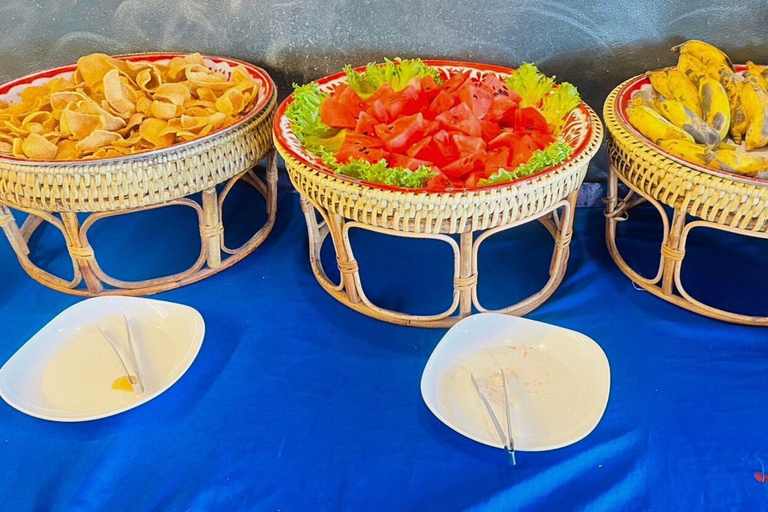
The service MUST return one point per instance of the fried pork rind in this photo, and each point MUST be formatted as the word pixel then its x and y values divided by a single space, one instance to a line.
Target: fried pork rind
pixel 111 107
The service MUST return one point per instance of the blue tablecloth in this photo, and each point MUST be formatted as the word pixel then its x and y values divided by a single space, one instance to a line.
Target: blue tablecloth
pixel 297 403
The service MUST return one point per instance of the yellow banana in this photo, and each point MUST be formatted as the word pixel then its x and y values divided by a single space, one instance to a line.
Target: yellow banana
pixel 695 153
pixel 755 103
pixel 740 163
pixel 692 67
pixel 710 56
pixel 733 85
pixel 760 73
pixel 682 117
pixel 651 124
pixel 660 82
pixel 684 91
pixel 715 105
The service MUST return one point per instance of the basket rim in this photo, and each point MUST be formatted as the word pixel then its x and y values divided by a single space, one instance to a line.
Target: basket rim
pixel 617 103
pixel 260 107
pixel 440 63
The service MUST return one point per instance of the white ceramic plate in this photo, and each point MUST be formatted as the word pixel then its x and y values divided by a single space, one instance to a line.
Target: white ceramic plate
pixel 65 372
pixel 558 381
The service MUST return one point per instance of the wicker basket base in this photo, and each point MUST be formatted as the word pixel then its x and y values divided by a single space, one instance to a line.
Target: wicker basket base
pixel 90 280
pixel 558 219
pixel 667 283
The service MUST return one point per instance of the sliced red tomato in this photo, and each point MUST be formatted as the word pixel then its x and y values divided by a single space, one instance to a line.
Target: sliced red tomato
pixel 477 99
pixel 402 132
pixel 407 162
pixel 365 124
pixel 464 165
pixel 454 83
pixel 418 146
pixel 467 145
pixel 377 110
pixel 351 101
pixel 490 130
pixel 502 110
pixel 361 147
pixel 462 119
pixel 530 119
pixel 442 102
pixel 333 113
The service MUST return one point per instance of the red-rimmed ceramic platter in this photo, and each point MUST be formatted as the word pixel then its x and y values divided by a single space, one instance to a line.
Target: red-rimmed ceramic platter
pixel 577 131
pixel 643 83
pixel 10 92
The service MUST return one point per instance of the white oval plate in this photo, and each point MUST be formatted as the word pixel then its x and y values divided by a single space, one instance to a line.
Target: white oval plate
pixel 558 381
pixel 65 371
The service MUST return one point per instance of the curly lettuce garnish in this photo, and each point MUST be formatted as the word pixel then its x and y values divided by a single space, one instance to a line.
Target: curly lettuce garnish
pixel 397 73
pixel 556 105
pixel 380 172
pixel 531 84
pixel 555 153
pixel 304 113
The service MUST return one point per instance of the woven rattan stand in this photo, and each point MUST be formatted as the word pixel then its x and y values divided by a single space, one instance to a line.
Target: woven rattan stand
pixel 57 192
pixel 474 215
pixel 718 202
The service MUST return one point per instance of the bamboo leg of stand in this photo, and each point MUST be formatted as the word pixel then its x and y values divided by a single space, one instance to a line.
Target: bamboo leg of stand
pixel 12 231
pixel 672 253
pixel 347 264
pixel 467 280
pixel 81 253
pixel 212 230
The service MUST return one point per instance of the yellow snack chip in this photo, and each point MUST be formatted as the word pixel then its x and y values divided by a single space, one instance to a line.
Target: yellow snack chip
pixel 38 147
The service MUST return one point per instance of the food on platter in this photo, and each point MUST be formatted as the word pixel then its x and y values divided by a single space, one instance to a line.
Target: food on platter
pixel 406 124
pixel 706 111
pixel 113 107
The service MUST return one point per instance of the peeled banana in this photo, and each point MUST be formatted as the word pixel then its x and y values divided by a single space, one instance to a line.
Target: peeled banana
pixel 755 102
pixel 733 85
pixel 651 124
pixel 715 105
pixel 740 163
pixel 709 55
pixel 695 153
pixel 684 91
pixel 682 117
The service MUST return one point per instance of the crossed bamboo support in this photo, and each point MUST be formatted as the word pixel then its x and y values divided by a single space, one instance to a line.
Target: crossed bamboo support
pixel 90 280
pixel 558 220
pixel 667 283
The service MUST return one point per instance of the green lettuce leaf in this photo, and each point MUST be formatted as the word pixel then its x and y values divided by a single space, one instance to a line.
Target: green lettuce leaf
pixel 397 73
pixel 304 113
pixel 553 154
pixel 558 104
pixel 530 84
pixel 381 173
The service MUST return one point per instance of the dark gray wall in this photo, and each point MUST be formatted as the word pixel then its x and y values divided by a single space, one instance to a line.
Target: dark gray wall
pixel 594 44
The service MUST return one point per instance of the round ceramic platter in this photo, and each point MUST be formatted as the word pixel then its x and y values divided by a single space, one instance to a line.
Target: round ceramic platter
pixel 577 131
pixel 67 371
pixel 558 381
pixel 643 83
pixel 10 92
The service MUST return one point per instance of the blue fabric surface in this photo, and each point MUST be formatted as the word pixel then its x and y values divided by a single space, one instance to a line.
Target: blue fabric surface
pixel 297 403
